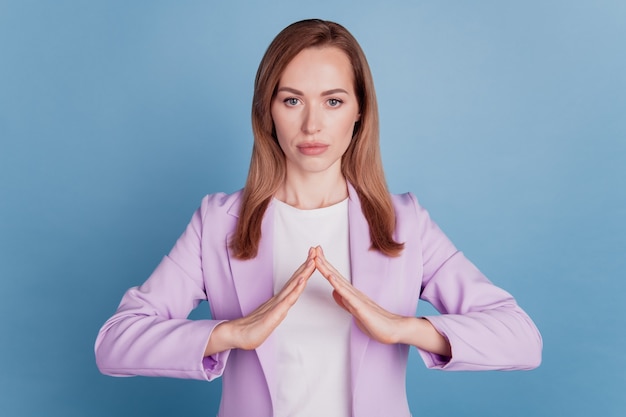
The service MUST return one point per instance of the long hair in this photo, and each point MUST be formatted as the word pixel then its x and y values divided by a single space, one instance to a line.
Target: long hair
pixel 361 164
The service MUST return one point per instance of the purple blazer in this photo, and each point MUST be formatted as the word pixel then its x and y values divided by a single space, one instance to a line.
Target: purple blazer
pixel 151 335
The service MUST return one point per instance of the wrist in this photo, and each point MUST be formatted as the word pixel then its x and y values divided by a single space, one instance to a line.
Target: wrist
pixel 421 333
pixel 221 339
pixel 409 329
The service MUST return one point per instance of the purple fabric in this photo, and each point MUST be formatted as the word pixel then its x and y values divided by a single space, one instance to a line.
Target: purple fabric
pixel 151 335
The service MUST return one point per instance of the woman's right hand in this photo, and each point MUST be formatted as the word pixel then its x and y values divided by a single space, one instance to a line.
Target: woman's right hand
pixel 251 331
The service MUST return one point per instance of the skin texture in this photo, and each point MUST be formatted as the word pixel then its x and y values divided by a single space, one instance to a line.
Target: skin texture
pixel 314 113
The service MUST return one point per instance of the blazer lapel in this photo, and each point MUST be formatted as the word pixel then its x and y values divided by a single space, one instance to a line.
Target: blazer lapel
pixel 254 284
pixel 253 280
pixel 368 271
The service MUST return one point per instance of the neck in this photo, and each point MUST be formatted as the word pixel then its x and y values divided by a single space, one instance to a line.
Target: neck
pixel 313 191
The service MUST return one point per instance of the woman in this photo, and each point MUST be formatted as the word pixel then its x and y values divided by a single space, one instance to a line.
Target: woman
pixel 313 271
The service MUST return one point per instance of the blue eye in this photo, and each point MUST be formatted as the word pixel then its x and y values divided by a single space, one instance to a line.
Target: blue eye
pixel 291 101
pixel 334 102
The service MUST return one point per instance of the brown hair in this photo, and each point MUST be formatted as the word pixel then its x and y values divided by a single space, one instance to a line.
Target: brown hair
pixel 361 164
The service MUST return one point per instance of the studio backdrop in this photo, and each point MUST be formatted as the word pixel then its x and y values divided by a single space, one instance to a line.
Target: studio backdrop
pixel 506 119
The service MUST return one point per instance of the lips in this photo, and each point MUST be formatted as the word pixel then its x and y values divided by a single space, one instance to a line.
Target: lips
pixel 312 149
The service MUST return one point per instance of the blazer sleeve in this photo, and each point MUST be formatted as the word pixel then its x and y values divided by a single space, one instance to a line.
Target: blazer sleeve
pixel 150 334
pixel 485 326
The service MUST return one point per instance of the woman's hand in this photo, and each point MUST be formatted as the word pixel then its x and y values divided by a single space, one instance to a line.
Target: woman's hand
pixel 373 320
pixel 376 322
pixel 251 331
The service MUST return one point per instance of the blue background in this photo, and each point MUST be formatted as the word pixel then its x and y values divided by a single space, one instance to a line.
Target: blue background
pixel 507 119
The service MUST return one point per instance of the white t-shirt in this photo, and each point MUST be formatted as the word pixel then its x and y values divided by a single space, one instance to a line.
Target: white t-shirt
pixel 313 340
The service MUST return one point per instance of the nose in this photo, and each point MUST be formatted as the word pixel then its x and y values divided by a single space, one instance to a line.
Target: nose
pixel 311 122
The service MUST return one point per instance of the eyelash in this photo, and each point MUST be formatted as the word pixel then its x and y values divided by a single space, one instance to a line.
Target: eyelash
pixel 290 101
pixel 336 100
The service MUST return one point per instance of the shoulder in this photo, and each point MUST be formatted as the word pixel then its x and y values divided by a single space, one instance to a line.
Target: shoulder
pixel 411 217
pixel 414 221
pixel 405 204
pixel 221 203
pixel 218 212
pixel 407 214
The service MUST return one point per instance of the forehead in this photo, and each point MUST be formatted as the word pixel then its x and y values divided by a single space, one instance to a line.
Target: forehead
pixel 319 66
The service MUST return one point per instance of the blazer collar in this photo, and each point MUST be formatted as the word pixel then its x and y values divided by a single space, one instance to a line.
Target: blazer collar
pixel 253 280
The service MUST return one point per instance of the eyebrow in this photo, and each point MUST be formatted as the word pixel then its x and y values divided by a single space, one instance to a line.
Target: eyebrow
pixel 300 93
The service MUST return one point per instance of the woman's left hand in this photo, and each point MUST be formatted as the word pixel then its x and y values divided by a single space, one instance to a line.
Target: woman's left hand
pixel 378 323
pixel 373 320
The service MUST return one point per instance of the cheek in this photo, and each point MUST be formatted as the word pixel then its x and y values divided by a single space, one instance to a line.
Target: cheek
pixel 345 125
pixel 282 124
pixel 281 129
pixel 274 118
pixel 280 134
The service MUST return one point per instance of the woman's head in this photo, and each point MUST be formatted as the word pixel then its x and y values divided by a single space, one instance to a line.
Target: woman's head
pixel 361 163
pixel 284 48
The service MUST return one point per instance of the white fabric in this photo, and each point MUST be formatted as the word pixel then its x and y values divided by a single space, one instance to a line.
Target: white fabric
pixel 313 340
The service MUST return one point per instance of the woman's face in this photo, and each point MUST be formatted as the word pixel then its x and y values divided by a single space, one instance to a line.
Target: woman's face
pixel 315 110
